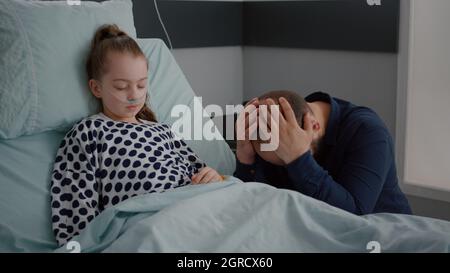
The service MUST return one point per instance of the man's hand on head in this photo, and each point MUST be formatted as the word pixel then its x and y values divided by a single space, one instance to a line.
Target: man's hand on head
pixel 293 140
pixel 247 122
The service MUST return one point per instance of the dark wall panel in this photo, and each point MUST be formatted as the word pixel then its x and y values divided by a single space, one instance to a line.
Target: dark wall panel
pixel 339 24
pixel 191 23
pixel 319 24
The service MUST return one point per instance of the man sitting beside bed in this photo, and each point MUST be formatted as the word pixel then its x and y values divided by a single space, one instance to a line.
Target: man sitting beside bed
pixel 328 149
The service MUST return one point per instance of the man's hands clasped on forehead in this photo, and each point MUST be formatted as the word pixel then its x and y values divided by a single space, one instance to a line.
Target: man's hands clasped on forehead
pixel 293 140
pixel 272 130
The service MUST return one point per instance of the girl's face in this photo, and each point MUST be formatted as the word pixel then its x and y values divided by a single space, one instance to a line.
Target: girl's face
pixel 123 86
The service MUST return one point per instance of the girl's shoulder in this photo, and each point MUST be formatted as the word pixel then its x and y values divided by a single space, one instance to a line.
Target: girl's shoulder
pixel 89 123
pixel 96 123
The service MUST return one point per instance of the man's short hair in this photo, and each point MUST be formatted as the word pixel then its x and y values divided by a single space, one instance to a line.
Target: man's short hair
pixel 297 102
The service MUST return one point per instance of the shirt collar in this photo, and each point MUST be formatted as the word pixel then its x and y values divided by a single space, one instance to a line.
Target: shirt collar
pixel 331 131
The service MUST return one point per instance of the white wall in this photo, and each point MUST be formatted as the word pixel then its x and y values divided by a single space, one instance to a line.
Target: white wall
pixel 364 78
pixel 215 73
pixel 229 75
pixel 424 99
pixel 428 128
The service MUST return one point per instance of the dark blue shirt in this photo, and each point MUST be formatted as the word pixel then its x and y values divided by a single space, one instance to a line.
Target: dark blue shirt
pixel 355 170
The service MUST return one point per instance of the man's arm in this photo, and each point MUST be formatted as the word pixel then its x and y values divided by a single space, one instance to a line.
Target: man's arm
pixel 359 183
pixel 245 172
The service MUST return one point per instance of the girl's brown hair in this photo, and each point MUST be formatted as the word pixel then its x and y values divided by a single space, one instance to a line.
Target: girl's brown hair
pixel 112 38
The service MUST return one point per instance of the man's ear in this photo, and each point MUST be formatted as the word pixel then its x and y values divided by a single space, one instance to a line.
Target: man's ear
pixel 95 88
pixel 316 125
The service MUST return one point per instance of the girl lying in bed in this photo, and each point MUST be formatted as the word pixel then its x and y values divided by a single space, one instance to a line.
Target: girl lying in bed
pixel 122 151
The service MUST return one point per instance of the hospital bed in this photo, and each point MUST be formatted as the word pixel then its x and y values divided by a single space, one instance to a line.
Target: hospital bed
pixel 43 93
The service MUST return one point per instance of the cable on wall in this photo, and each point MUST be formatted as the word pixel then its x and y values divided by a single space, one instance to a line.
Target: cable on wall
pixel 162 24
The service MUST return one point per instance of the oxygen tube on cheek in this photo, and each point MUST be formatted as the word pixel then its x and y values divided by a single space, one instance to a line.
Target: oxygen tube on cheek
pixel 139 97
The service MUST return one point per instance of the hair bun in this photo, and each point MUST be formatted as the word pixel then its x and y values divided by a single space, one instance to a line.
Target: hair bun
pixel 107 32
pixel 106 38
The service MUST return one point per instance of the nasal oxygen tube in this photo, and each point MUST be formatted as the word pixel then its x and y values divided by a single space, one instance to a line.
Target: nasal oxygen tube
pixel 125 100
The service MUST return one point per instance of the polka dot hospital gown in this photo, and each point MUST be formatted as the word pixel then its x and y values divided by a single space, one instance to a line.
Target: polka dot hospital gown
pixel 102 162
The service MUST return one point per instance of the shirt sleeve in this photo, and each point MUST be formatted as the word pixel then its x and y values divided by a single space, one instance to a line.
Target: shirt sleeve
pixel 74 188
pixel 245 172
pixel 361 178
